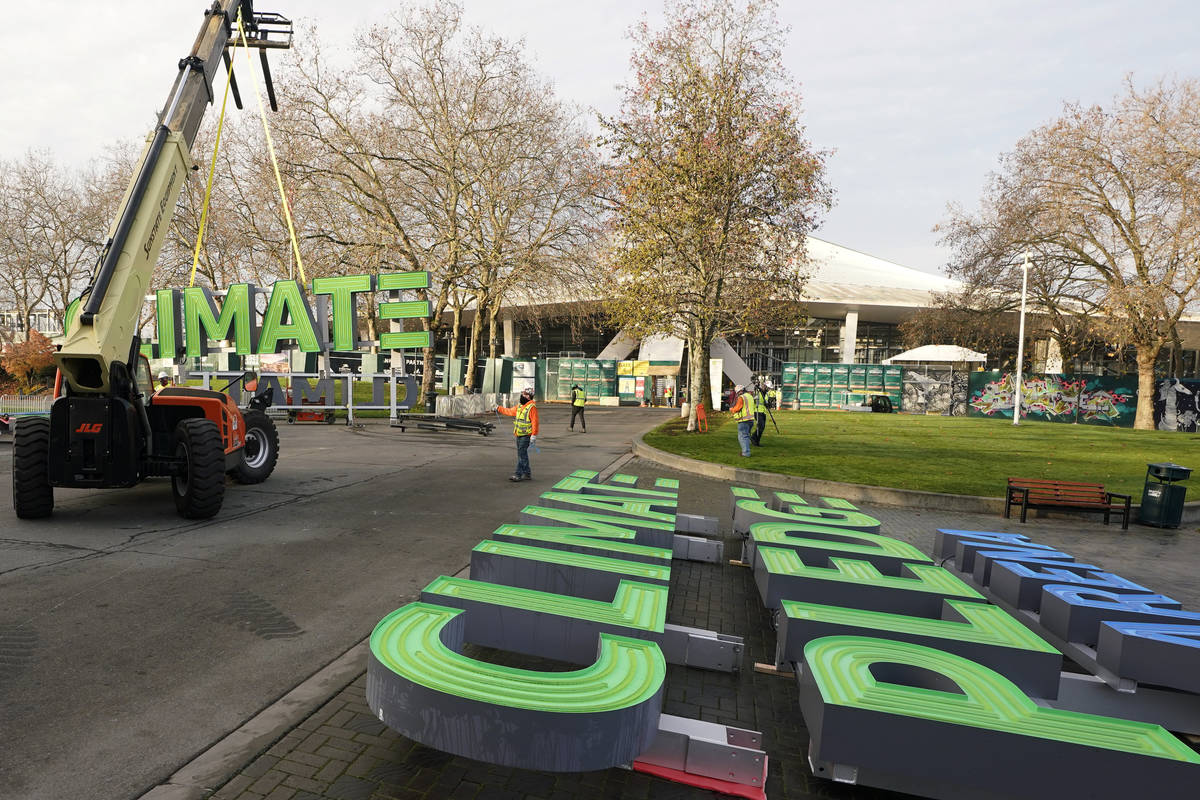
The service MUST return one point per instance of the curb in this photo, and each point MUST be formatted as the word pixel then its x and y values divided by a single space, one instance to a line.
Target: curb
pixel 214 767
pixel 855 492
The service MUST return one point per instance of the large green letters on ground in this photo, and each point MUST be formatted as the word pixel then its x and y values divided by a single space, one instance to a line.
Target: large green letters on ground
pixel 842 669
pixel 635 605
pixel 409 642
pixel 592 718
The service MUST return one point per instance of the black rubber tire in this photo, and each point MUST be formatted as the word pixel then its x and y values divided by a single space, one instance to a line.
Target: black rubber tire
pixel 200 491
pixel 261 450
pixel 33 496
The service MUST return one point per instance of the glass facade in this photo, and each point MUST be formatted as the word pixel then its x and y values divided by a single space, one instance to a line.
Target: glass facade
pixel 877 341
pixel 821 341
pixel 550 338
pixel 1101 360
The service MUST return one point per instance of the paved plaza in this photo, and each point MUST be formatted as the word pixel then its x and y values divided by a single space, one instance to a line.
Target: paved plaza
pixel 144 655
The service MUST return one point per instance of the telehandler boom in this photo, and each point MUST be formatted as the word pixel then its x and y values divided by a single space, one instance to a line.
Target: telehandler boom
pixel 107 428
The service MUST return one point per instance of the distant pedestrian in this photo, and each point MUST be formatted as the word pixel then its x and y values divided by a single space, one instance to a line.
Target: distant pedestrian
pixel 743 414
pixel 759 398
pixel 525 429
pixel 668 397
pixel 164 381
pixel 578 401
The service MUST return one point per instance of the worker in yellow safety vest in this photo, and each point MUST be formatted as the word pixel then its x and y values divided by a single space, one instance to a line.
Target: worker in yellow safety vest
pixel 525 429
pixel 578 399
pixel 743 414
pixel 759 396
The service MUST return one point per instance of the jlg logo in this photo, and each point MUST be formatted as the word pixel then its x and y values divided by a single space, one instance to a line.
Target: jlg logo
pixel 90 427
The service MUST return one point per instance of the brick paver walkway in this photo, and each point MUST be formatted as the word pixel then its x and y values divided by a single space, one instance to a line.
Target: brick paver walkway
pixel 342 752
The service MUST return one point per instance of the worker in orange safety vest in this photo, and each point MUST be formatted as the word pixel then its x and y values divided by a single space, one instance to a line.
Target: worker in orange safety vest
pixel 525 429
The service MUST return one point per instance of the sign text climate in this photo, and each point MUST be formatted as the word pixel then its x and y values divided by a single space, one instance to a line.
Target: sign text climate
pixel 910 678
pixel 188 319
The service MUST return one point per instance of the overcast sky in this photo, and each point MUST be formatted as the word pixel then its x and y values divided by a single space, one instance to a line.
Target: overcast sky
pixel 917 98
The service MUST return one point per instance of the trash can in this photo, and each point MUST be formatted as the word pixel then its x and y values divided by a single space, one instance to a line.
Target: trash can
pixel 431 402
pixel 1162 497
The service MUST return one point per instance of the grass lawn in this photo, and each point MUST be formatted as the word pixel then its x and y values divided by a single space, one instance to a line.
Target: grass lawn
pixel 959 455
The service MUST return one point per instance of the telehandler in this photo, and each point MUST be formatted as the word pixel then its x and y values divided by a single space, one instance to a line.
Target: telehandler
pixel 107 428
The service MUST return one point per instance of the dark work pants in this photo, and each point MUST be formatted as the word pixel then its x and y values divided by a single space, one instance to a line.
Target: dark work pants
pixel 523 456
pixel 760 424
pixel 577 411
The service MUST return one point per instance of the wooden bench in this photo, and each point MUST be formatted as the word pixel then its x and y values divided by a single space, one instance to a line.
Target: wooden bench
pixel 1032 493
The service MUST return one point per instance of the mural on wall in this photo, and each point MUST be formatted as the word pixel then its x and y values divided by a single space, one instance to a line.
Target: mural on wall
pixel 1054 398
pixel 989 396
pixel 958 394
pixel 1176 407
pixel 1091 400
pixel 937 391
pixel 1109 401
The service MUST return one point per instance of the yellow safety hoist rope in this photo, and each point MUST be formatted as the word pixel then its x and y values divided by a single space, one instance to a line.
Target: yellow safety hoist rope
pixel 287 211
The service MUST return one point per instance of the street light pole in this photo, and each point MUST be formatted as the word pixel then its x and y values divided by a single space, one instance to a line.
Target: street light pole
pixel 1020 343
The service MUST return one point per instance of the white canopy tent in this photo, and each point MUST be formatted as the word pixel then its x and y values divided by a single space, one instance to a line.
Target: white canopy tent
pixel 937 354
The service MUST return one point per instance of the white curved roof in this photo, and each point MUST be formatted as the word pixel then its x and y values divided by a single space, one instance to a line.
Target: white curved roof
pixel 841 279
pixel 937 352
pixel 832 263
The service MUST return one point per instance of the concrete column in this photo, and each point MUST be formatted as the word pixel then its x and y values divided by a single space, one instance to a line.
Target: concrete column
pixel 849 337
pixel 510 337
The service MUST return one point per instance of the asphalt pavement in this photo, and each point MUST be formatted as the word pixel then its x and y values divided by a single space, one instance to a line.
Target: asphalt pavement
pixel 131 639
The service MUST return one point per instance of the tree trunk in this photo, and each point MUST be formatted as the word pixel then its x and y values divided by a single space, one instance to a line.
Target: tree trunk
pixel 1176 370
pixel 427 361
pixel 372 322
pixel 428 372
pixel 492 315
pixel 455 326
pixel 473 346
pixel 698 389
pixel 1144 421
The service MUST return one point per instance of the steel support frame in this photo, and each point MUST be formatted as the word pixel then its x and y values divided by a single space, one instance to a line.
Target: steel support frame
pixel 710 750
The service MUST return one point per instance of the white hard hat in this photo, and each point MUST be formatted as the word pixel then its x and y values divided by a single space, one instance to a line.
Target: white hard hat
pixel 163 375
pixel 739 388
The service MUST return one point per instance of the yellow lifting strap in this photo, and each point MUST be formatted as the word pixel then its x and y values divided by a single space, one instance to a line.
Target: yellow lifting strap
pixel 212 168
pixel 287 211
pixel 262 110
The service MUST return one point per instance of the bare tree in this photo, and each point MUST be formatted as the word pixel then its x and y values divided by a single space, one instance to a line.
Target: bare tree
pixel 1106 201
pixel 533 208
pixel 388 141
pixel 444 154
pixel 49 236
